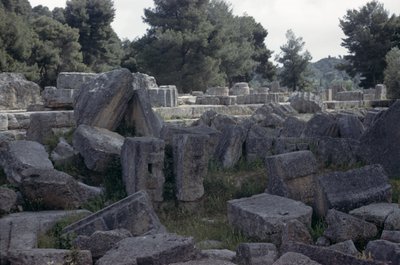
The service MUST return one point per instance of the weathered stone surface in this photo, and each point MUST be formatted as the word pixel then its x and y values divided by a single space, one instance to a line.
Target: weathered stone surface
pixel 296 231
pixel 256 254
pixel 143 81
pixel 346 247
pixel 55 189
pixel 327 256
pixel 322 124
pixel 218 254
pixel 58 98
pixel 306 102
pixel 207 100
pixel 8 200
pixel 379 144
pixel 350 126
pixel 229 148
pixel 392 236
pixel 3 122
pixel 163 96
pixel 73 80
pixel 292 175
pixel 17 92
pixel 151 249
pixel 49 256
pixel 258 144
pixel 240 89
pixel 392 222
pixel 63 154
pixel 17 121
pixel 102 101
pixel 19 155
pixel 141 116
pixel 142 160
pixel 218 91
pixel 292 258
pixel 190 155
pixel 348 190
pixel 134 213
pixel 375 213
pixel 99 147
pixel 21 230
pixel 100 241
pixel 42 125
pixel 342 227
pixel 384 251
pixel 293 127
pixel 263 216
pixel 205 262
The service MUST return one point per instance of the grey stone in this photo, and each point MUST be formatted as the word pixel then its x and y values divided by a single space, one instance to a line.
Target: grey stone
pixel 293 127
pixel 99 147
pixel 346 247
pixel 256 254
pixel 141 116
pixel 218 254
pixel 292 175
pixel 380 92
pixel 375 213
pixel 218 91
pixel 102 101
pixel 205 262
pixel 283 111
pixel 322 241
pixel 190 156
pixel 392 236
pixel 392 222
pixel 345 191
pixel 350 126
pixel 142 160
pixel 63 154
pixel 17 121
pixel 55 189
pixel 240 89
pixel 294 230
pixel 100 241
pixel 163 96
pixel 306 102
pixel 385 251
pixel 151 249
pixel 21 230
pixel 207 100
pixel 143 81
pixel 229 148
pixel 134 213
pixel 292 258
pixel 327 256
pixel 17 92
pixel 58 98
pixel 342 227
pixel 49 256
pixel 379 144
pixel 263 216
pixel 356 95
pixel 19 155
pixel 8 200
pixel 42 125
pixel 322 124
pixel 220 121
pixel 73 80
pixel 3 122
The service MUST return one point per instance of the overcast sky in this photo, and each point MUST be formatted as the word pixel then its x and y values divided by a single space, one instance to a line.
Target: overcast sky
pixel 317 21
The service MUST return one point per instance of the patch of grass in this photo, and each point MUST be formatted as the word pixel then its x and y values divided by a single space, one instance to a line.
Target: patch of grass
pixel 54 238
pixel 52 141
pixel 113 184
pixel 95 204
pixel 395 182
pixel 318 227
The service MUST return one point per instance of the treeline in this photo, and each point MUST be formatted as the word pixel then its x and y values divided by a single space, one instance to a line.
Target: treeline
pixel 193 44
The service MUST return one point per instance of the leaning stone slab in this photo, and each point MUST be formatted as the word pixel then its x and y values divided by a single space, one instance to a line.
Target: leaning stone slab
pixel 21 230
pixel 263 216
pixel 229 148
pixel 99 147
pixel 348 190
pixel 151 249
pixel 292 258
pixel 73 80
pixel 375 213
pixel 142 160
pixel 17 156
pixel 256 253
pixel 342 227
pixel 41 256
pixel 134 213
pixel 292 175
pixel 102 101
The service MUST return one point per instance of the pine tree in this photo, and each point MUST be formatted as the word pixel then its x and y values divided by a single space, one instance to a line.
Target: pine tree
pixel 392 73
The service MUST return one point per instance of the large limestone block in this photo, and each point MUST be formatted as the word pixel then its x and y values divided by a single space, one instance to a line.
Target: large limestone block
pixel 151 249
pixel 263 216
pixel 134 213
pixel 384 251
pixel 58 98
pixel 306 102
pixel 191 156
pixel 256 253
pixel 99 147
pixel 17 156
pixel 73 80
pixel 102 101
pixel 321 124
pixel 292 258
pixel 240 89
pixel 42 256
pixel 229 148
pixel 380 143
pixel 17 92
pixel 163 96
pixel 376 213
pixel 55 189
pixel 292 175
pixel 350 126
pixel 348 190
pixel 142 160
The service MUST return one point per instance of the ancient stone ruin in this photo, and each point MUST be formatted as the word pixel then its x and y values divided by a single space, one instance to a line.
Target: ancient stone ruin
pixel 140 150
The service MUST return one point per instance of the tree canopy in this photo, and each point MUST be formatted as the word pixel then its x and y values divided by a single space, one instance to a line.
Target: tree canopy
pixel 392 73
